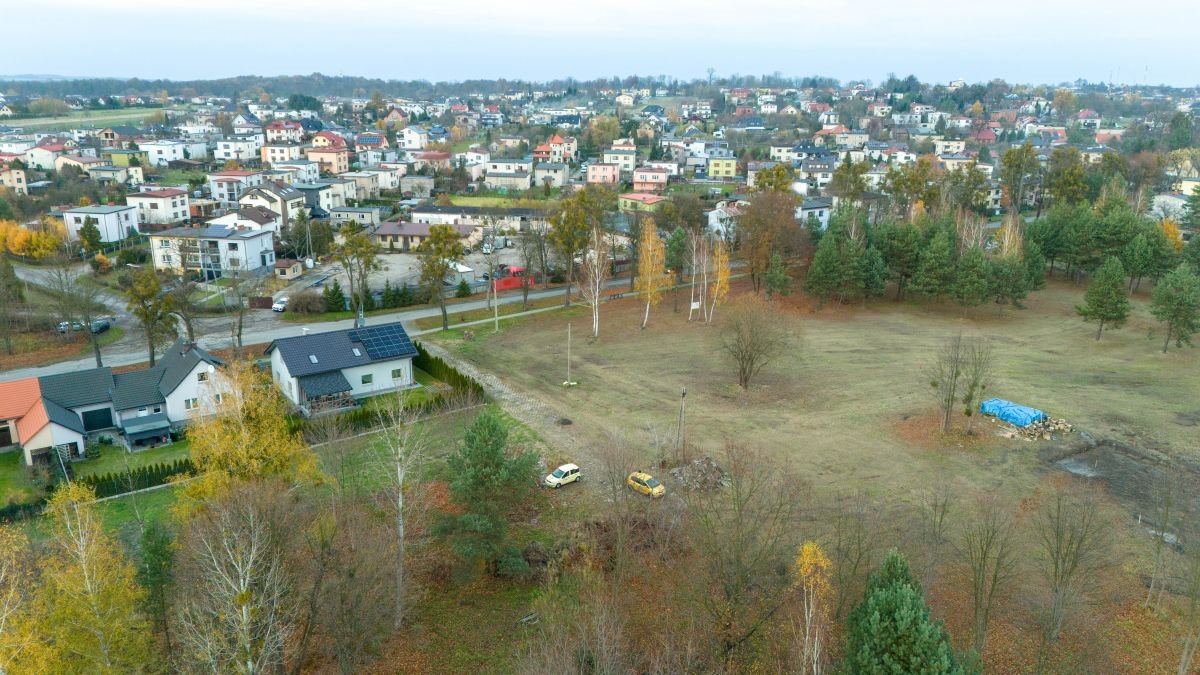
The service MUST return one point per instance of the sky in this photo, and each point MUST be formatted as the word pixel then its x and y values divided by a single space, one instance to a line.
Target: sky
pixel 1021 41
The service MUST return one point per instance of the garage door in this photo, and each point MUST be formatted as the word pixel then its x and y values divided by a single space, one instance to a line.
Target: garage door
pixel 97 419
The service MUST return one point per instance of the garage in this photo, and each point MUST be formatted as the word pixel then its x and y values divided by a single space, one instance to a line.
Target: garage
pixel 97 419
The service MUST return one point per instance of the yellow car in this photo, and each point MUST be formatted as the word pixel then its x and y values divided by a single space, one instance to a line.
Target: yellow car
pixel 645 484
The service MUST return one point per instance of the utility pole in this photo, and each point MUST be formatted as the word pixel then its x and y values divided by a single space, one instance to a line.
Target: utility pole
pixel 680 434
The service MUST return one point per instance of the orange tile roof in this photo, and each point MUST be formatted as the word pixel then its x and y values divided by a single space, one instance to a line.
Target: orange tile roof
pixel 22 400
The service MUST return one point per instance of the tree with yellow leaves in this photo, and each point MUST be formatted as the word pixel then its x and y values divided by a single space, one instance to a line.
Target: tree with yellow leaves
pixel 720 285
pixel 19 241
pixel 16 586
pixel 245 435
pixel 84 614
pixel 811 580
pixel 1170 228
pixel 651 278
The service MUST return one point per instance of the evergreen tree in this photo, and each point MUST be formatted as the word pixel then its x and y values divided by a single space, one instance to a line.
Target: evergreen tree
pixel 335 298
pixel 1191 210
pixel 935 272
pixel 89 235
pixel 971 278
pixel 1105 301
pixel 1009 279
pixel 824 274
pixel 1035 266
pixel 872 273
pixel 776 280
pixel 487 484
pixel 890 630
pixel 1176 302
pixel 463 290
pixel 1136 260
pixel 1191 254
pixel 901 249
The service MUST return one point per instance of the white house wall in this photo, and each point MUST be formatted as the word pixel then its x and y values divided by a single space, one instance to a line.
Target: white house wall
pixel 381 377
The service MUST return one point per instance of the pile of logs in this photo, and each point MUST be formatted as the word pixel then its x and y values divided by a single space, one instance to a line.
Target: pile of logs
pixel 1044 430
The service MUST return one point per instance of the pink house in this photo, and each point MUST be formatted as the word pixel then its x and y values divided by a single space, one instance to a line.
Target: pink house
pixel 649 179
pixel 608 174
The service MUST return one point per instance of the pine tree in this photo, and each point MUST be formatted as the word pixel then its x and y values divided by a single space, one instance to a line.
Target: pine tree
pixel 1035 266
pixel 824 273
pixel 872 273
pixel 335 297
pixel 1136 260
pixel 890 630
pixel 1008 279
pixel 935 271
pixel 776 280
pixel 901 249
pixel 971 278
pixel 1191 255
pixel 1176 302
pixel 1105 301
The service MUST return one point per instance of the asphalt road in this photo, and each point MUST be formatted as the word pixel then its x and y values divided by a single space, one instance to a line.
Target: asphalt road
pixel 263 326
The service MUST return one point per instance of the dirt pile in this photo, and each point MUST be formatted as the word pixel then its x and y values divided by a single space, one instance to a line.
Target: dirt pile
pixel 701 473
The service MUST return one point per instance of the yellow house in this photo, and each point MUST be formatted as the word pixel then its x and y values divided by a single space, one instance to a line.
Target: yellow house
pixel 640 202
pixel 1188 186
pixel 722 167
pixel 120 157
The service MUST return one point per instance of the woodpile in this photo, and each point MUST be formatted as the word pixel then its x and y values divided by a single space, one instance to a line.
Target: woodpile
pixel 1045 430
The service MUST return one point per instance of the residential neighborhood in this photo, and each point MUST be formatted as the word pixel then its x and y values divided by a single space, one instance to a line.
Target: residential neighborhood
pixel 709 373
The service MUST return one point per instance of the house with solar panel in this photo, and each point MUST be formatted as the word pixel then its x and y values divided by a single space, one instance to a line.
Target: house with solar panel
pixel 327 371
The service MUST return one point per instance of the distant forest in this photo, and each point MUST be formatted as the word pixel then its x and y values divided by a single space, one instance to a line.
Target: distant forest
pixel 317 84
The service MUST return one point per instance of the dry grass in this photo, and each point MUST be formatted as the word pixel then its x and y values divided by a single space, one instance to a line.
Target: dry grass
pixel 834 406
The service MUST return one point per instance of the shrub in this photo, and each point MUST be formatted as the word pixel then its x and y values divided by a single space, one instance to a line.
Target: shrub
pixel 308 302
pixel 131 256
pixel 463 290
pixel 92 451
pixel 116 483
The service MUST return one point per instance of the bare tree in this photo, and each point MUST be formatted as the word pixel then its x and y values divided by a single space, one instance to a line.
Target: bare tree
pixel 238 303
pixel 402 449
pixel 76 299
pixel 747 532
pixel 1072 543
pixel 541 250
pixel 986 544
pixel 1191 616
pixel 752 335
pixel 852 546
pixel 945 377
pixel 1166 493
pixel 594 274
pixel 934 514
pixel 977 376
pixel 235 616
pixel 184 307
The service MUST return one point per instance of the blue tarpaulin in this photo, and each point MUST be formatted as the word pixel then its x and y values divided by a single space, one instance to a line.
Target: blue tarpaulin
pixel 1013 413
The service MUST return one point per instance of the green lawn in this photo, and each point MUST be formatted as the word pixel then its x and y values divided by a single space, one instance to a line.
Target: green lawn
pixel 121 514
pixel 422 377
pixel 90 118
pixel 113 458
pixel 16 484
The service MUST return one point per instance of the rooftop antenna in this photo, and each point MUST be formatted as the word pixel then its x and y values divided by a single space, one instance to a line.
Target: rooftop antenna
pixel 303 331
pixel 360 321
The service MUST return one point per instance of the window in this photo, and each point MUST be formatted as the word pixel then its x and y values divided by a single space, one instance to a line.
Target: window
pixel 202 377
pixel 190 404
pixel 398 374
pixel 157 409
pixel 141 412
pixel 233 247
pixel 368 378
pixel 154 206
pixel 218 398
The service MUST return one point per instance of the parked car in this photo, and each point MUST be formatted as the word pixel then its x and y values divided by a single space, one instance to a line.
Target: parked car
pixel 280 304
pixel 567 473
pixel 646 484
pixel 65 326
pixel 100 325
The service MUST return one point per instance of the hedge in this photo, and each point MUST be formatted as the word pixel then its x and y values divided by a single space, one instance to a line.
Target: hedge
pixel 435 366
pixel 151 475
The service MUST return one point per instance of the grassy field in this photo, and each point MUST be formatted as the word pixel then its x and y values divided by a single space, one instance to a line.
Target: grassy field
pixel 481 314
pixel 848 405
pixel 467 200
pixel 88 118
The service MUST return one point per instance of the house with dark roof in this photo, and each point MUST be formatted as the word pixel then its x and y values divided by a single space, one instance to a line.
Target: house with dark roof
pixel 327 371
pixel 60 412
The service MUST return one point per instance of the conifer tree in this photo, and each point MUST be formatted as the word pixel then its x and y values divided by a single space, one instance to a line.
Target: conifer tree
pixel 1176 302
pixel 1105 301
pixel 776 280
pixel 935 271
pixel 971 278
pixel 824 273
pixel 872 272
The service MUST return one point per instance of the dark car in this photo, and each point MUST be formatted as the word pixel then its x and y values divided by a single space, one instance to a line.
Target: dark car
pixel 100 325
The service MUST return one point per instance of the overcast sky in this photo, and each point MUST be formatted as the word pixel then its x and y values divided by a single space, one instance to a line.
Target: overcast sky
pixel 1031 41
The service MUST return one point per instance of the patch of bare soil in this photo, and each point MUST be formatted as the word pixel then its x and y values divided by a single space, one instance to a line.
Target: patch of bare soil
pixel 923 429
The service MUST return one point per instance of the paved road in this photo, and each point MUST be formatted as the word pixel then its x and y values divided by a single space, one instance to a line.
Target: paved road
pixel 264 326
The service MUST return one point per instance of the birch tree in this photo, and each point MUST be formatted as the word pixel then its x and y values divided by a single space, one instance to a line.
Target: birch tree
pixel 401 452
pixel 720 285
pixel 594 273
pixel 651 276
pixel 811 580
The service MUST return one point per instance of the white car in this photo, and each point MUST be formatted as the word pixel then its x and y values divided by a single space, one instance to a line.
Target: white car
pixel 280 304
pixel 567 473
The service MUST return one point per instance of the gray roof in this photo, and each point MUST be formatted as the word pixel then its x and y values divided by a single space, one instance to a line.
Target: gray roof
pixel 63 417
pixel 324 384
pixel 79 388
pixel 99 209
pixel 146 426
pixel 211 233
pixel 138 389
pixel 333 351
